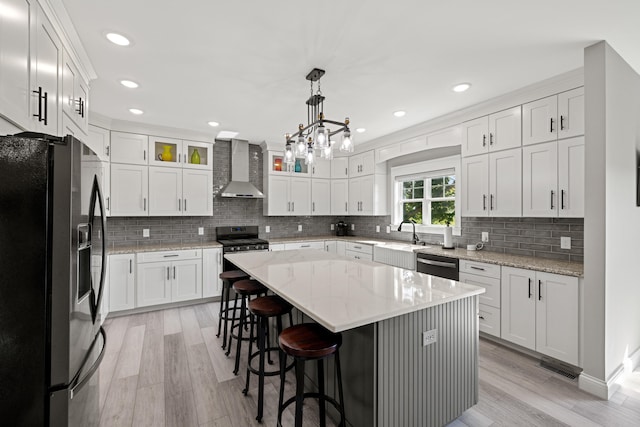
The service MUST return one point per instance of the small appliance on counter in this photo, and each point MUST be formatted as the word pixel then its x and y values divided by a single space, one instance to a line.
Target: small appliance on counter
pixel 341 228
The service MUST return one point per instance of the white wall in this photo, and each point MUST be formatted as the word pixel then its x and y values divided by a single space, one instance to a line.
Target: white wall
pixel 612 219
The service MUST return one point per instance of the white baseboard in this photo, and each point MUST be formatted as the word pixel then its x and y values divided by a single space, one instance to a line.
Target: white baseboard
pixel 605 390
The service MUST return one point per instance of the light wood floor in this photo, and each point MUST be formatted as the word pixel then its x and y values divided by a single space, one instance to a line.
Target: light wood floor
pixel 166 368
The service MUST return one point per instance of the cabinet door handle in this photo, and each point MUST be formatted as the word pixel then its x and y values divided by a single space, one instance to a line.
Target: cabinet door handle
pixel 313 170
pixel 144 154
pixel 144 204
pixel 293 206
pixel 346 206
pixel 552 193
pixel 219 258
pixel 305 246
pixel 529 288
pixel 561 199
pixel 179 203
pixel 108 203
pixel 484 202
pixel 551 125
pixel 490 138
pixel 108 150
pixel 168 273
pixel 185 205
pixel 39 115
pixel 346 172
pixel 561 122
pixel 174 272
pixel 288 206
pixel 491 203
pixel 130 266
pixel 539 290
pixel 46 108
pixel 484 140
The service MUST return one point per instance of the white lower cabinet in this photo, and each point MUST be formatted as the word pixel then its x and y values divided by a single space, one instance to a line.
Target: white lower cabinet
pixel 276 247
pixel 211 269
pixel 487 276
pixel 539 311
pixel 304 245
pixel 165 277
pixel 359 251
pixel 335 247
pixel 174 191
pixel 122 282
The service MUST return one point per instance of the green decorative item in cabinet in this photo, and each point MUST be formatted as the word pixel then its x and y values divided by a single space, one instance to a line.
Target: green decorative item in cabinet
pixel 195 157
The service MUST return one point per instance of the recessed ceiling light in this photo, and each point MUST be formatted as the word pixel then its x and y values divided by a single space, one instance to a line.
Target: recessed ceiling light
pixel 213 124
pixel 118 39
pixel 129 84
pixel 135 111
pixel 360 130
pixel 461 87
pixel 399 113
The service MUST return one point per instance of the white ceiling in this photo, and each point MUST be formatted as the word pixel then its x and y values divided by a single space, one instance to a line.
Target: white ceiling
pixel 243 63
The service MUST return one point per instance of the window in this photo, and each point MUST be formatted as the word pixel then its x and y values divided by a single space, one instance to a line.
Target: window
pixel 426 193
pixel 429 201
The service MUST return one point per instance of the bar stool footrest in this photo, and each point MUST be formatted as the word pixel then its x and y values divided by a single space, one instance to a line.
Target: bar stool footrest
pixel 316 395
pixel 256 354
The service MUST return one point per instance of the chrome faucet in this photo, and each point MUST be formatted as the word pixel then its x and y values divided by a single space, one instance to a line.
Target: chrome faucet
pixel 413 223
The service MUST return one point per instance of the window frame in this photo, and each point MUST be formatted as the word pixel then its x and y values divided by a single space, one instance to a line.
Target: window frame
pixel 426 170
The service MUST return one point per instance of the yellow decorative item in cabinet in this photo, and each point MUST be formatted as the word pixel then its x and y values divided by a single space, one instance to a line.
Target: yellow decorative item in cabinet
pixel 166 155
pixel 195 157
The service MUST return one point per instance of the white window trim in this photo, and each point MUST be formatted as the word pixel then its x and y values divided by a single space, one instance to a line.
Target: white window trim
pixel 452 162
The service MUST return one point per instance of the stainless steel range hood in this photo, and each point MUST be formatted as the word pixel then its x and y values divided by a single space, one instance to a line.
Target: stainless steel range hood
pixel 240 185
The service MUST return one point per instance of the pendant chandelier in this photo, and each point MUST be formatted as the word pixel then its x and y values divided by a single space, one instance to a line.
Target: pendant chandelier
pixel 316 138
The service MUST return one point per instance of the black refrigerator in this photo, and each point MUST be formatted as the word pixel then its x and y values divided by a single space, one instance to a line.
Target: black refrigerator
pixel 52 268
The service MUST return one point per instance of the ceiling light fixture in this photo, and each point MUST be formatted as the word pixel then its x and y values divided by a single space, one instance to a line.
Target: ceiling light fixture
pixel 399 113
pixel 213 124
pixel 135 111
pixel 360 130
pixel 461 87
pixel 315 136
pixel 118 39
pixel 128 83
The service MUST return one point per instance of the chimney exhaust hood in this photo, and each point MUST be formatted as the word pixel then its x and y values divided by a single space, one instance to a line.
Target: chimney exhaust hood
pixel 240 186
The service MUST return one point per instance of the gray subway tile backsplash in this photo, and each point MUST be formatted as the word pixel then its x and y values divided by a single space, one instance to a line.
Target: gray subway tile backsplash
pixel 537 237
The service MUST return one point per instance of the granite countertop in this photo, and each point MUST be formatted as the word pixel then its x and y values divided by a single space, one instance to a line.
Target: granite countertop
pixel 343 293
pixel 539 264
pixel 163 247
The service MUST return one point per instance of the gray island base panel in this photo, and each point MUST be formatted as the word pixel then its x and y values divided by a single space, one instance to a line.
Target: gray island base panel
pixel 390 379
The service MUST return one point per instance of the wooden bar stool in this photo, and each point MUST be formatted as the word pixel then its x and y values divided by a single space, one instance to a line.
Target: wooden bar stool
pixel 309 341
pixel 265 308
pixel 227 313
pixel 245 289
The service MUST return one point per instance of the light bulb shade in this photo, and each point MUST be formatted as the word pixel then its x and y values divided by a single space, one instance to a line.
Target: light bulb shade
pixel 347 142
pixel 326 153
pixel 289 158
pixel 310 158
pixel 301 147
pixel 321 137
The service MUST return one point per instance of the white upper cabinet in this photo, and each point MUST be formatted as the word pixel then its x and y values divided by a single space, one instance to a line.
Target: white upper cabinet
pixel 539 121
pixel 197 192
pixel 339 197
pixel 571 177
pixel 321 168
pixel 300 195
pixel 129 148
pixel 368 195
pixel 165 191
pixel 362 164
pixel 287 196
pixel 129 190
pixel 498 131
pixel 74 93
pixel 540 180
pixel 553 179
pixel 15 88
pixel 340 168
pixel 571 113
pixel 99 140
pixel 320 197
pixel 197 155
pixel 557 116
pixel 165 152
pixel 276 165
pixel 492 184
pixel 46 58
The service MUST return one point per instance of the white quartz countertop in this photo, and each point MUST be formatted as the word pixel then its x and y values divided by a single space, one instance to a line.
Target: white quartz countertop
pixel 342 293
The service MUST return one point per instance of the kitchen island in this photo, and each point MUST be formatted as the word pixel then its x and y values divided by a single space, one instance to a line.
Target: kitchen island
pixel 389 377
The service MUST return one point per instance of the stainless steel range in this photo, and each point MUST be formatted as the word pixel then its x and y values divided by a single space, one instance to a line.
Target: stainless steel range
pixel 239 239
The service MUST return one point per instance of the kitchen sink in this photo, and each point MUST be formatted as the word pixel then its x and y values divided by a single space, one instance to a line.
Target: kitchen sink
pixel 401 246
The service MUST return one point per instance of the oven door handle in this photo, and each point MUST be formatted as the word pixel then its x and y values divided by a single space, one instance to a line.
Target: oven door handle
pixel 437 263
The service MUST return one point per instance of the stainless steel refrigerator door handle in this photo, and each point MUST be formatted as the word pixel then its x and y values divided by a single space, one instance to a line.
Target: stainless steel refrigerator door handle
pixel 437 263
pixel 79 383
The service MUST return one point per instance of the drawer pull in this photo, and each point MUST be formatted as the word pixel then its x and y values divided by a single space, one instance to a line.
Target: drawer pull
pixel 476 268
pixel 171 256
pixel 357 247
pixel 305 246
